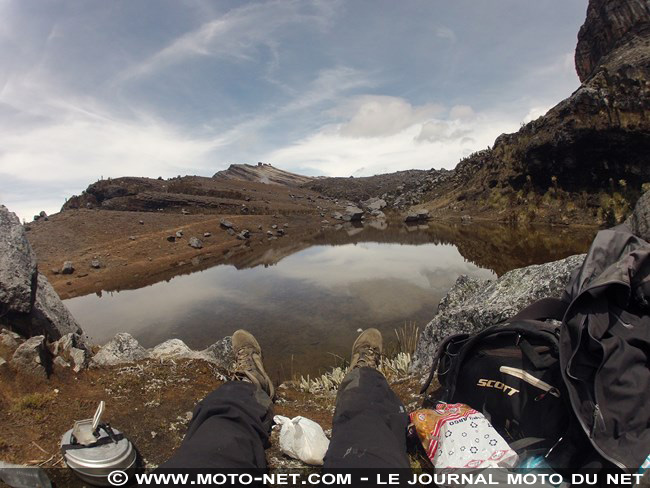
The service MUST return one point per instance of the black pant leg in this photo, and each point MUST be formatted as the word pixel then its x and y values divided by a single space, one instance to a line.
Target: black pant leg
pixel 230 429
pixel 369 426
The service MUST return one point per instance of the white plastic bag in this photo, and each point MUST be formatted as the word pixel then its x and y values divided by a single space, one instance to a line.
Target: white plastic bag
pixel 301 438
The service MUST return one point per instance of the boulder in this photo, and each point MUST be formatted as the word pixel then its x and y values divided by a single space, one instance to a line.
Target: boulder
pixel 95 264
pixel 49 314
pixel 226 224
pixel 31 357
pixel 220 353
pixel 79 358
pixel 173 348
pixel 472 305
pixel 374 203
pixel 171 238
pixel 123 348
pixel 64 344
pixel 206 234
pixel 71 348
pixel 179 234
pixel 10 339
pixel 337 216
pixel 60 362
pixel 354 213
pixel 411 217
pixel 195 243
pixel 639 220
pixel 26 297
pixel 423 214
pixel 17 265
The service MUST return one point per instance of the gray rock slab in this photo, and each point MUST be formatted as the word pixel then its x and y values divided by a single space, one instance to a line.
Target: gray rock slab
pixel 50 315
pixel 639 220
pixel 79 358
pixel 220 353
pixel 17 265
pixel 10 339
pixel 173 348
pixel 195 243
pixel 31 357
pixel 472 305
pixel 123 348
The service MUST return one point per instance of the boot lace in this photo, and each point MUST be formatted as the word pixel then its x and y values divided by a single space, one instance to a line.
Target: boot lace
pixel 368 356
pixel 244 360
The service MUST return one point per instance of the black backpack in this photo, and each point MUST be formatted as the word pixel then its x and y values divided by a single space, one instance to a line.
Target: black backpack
pixel 511 373
pixel 596 413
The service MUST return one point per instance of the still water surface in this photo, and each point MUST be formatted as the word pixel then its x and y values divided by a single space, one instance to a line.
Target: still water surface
pixel 306 301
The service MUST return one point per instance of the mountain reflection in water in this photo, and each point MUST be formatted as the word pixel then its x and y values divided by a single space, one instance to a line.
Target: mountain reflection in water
pixel 305 300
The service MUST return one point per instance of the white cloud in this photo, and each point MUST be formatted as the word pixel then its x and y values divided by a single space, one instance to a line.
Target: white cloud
pixel 430 144
pixel 439 131
pixel 67 143
pixel 376 116
pixel 536 112
pixel 75 146
pixel 462 112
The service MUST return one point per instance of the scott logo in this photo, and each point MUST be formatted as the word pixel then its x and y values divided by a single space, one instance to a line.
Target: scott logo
pixel 498 385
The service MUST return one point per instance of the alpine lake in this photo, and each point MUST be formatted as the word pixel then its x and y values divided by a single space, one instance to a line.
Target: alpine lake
pixel 306 301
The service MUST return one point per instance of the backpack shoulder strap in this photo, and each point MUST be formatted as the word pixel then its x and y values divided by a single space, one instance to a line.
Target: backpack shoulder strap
pixel 546 308
pixel 442 349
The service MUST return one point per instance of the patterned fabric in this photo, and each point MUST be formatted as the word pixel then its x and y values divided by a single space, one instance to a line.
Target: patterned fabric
pixel 456 436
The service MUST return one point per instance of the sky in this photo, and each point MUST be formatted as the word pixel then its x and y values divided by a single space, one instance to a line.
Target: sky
pixel 99 89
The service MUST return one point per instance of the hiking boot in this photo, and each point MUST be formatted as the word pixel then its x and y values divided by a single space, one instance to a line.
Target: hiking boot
pixel 366 350
pixel 248 361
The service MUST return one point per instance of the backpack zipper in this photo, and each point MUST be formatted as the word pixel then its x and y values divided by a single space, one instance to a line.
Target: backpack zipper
pixel 530 379
pixel 595 417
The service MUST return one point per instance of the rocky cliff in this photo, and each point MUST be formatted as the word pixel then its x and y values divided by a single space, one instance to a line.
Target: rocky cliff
pixel 610 25
pixel 587 158
pixel 262 173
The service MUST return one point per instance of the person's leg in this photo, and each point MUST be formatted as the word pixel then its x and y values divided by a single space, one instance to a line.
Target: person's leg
pixel 370 421
pixel 230 427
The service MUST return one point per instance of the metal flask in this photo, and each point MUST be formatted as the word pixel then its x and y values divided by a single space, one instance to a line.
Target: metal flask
pixel 93 450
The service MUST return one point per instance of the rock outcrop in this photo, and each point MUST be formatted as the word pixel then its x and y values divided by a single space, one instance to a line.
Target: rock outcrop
pixel 639 220
pixel 17 265
pixel 472 304
pixel 28 303
pixel 587 158
pixel 609 24
pixel 70 350
pixel 124 349
pixel 263 173
pixel 32 358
